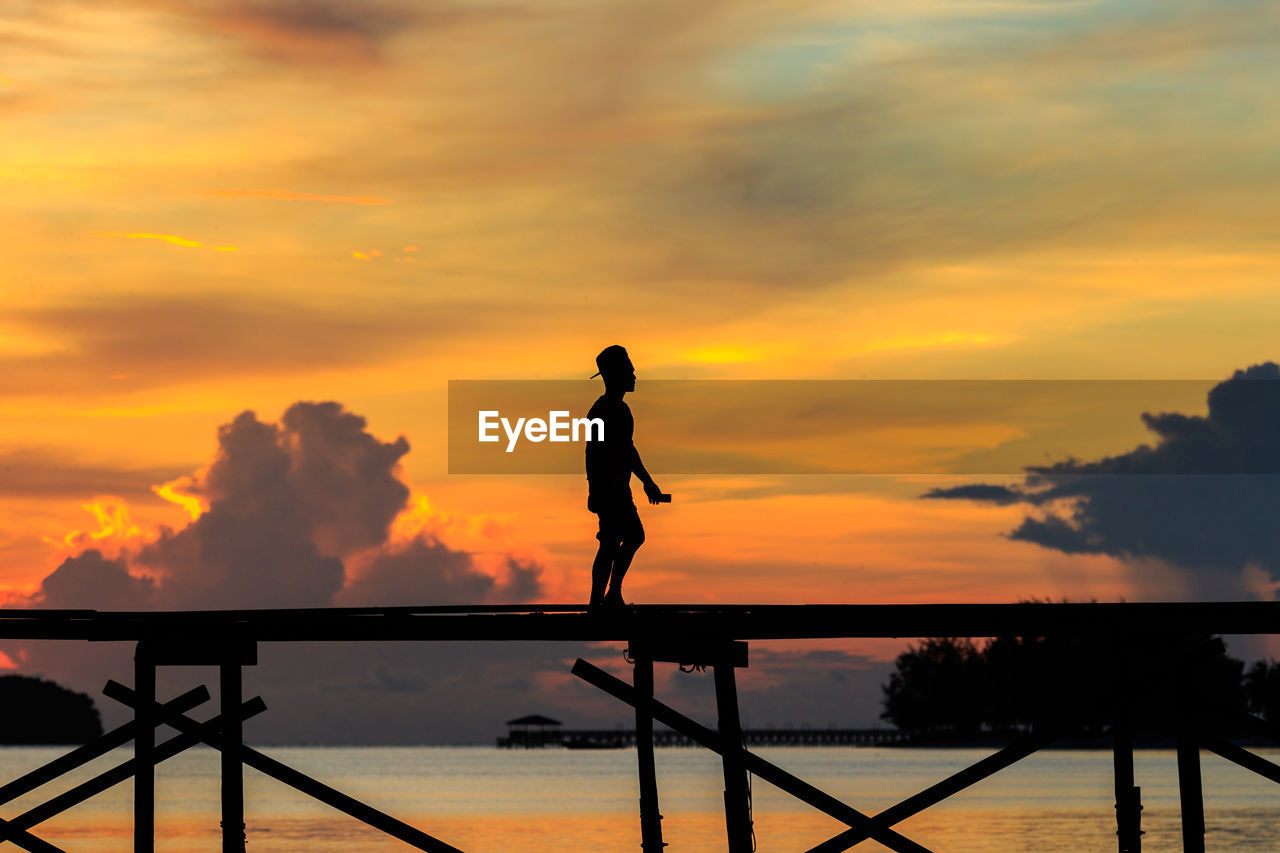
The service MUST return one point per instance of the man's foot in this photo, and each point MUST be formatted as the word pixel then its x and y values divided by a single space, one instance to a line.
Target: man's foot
pixel 614 600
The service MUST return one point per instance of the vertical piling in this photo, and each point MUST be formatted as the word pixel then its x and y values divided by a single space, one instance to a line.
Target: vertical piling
pixel 650 818
pixel 233 830
pixel 1190 791
pixel 144 780
pixel 1128 795
pixel 737 802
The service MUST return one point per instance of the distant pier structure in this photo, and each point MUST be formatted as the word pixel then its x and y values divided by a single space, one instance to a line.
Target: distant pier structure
pixel 532 732
pixel 711 637
pixel 538 732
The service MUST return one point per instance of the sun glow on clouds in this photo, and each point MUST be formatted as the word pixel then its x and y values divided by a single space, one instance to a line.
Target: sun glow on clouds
pixel 171 239
pixel 116 528
pixel 471 532
pixel 194 506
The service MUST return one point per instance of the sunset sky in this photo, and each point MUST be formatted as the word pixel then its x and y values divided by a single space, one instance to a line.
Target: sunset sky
pixel 218 206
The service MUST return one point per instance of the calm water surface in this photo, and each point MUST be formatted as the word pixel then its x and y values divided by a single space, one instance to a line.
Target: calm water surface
pixel 482 799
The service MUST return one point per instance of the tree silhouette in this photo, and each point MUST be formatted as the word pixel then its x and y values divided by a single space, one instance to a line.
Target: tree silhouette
pixel 938 686
pixel 35 711
pixel 1262 686
pixel 1013 684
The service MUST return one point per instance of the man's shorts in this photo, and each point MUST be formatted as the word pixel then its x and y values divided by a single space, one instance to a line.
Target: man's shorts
pixel 619 522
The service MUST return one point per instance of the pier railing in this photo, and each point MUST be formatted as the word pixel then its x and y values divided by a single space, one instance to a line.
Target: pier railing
pixel 713 637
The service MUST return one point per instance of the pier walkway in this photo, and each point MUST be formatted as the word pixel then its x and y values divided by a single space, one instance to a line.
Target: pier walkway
pixel 714 637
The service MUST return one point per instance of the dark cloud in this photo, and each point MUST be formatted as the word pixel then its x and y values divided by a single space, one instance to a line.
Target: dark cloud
pixel 253 547
pixel 308 31
pixel 979 492
pixel 286 503
pixel 816 687
pixel 1204 497
pixel 427 572
pixel 819 687
pixel 345 479
pixel 90 581
pixel 289 505
pixel 313 32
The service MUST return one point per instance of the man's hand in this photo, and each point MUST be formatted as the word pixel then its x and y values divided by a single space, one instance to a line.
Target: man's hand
pixel 652 492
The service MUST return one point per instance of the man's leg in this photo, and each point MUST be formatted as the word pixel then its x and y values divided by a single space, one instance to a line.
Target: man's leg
pixel 632 539
pixel 601 568
pixel 621 562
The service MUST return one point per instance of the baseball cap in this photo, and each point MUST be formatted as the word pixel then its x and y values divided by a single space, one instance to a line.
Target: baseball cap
pixel 609 358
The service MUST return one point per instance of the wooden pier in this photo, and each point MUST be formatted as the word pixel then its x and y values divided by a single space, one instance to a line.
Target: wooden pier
pixel 714 637
pixel 624 738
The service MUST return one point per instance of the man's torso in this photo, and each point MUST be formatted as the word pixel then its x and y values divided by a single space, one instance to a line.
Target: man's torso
pixel 609 461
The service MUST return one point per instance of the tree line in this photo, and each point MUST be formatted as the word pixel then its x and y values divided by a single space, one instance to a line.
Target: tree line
pixel 957 687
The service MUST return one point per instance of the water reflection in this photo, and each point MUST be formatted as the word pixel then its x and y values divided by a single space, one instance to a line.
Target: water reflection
pixel 481 799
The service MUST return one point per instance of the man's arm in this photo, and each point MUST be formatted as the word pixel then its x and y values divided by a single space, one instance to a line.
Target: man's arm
pixel 651 489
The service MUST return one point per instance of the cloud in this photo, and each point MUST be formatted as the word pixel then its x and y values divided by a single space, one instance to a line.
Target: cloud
pixel 425 571
pixel 287 509
pixel 1204 497
pixel 305 31
pixel 44 472
pixel 980 492
pixel 286 503
pixel 90 581
pixel 159 340
pixel 279 516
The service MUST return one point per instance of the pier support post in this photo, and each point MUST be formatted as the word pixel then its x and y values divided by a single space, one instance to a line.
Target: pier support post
pixel 1128 795
pixel 233 830
pixel 1190 791
pixel 737 794
pixel 650 818
pixel 144 739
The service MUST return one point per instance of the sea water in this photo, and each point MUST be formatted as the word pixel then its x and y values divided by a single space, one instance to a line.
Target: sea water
pixel 509 801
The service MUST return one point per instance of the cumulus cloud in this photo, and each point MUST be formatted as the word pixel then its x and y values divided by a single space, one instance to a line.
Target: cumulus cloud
pixel 426 570
pixel 296 513
pixel 1204 497
pixel 90 581
pixel 283 512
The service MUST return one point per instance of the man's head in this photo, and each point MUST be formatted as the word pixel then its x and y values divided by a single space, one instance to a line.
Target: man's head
pixel 615 368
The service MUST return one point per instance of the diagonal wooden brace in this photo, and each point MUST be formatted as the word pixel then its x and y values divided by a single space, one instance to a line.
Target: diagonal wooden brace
pixel 771 773
pixel 935 794
pixel 1241 756
pixel 26 840
pixel 120 773
pixel 94 749
pixel 284 773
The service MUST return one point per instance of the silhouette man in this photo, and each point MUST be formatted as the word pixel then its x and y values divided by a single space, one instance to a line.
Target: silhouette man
pixel 610 464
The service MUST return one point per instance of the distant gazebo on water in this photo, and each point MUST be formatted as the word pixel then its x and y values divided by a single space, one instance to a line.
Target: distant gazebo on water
pixel 531 732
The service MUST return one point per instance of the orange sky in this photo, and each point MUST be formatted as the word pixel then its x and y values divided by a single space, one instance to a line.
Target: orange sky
pixel 216 207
